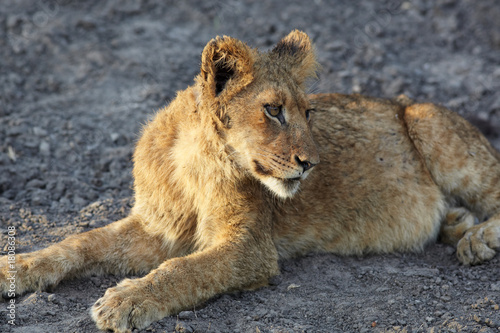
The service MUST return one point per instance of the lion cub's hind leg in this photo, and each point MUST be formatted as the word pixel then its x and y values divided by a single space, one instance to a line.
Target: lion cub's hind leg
pixel 456 222
pixel 475 243
pixel 467 170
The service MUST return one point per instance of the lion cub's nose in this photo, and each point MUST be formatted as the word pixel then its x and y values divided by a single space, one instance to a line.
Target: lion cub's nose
pixel 306 165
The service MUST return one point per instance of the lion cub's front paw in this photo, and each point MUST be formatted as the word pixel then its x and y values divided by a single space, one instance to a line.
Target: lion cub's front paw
pixel 124 307
pixel 479 243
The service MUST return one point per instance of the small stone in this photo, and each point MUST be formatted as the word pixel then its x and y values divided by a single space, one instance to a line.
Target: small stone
pixel 38 131
pixel 184 315
pixel 335 46
pixel 86 24
pixel 438 313
pixel 79 201
pixel 39 197
pixel 11 153
pixel 445 298
pixel 44 148
pixel 35 183
pixel 115 136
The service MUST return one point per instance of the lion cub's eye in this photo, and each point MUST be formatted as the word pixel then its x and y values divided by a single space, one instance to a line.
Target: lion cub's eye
pixel 308 113
pixel 275 111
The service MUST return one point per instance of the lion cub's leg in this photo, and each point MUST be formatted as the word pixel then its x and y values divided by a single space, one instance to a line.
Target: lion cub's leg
pixel 466 168
pixel 480 242
pixel 456 222
pixel 475 243
pixel 119 248
pixel 240 260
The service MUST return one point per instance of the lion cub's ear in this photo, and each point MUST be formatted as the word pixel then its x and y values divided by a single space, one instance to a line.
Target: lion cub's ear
pixel 296 49
pixel 226 67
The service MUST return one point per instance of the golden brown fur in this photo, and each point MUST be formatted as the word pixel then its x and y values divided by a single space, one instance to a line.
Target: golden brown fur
pixel 217 197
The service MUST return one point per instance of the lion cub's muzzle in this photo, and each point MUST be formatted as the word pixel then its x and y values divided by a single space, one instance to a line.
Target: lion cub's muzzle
pixel 282 167
pixel 305 166
pixel 283 176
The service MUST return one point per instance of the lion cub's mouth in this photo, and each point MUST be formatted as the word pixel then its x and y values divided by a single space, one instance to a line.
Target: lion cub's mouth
pixel 260 169
pixel 289 181
pixel 282 187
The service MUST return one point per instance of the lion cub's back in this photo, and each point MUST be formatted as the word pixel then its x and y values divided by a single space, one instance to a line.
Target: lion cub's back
pixel 371 192
pixel 365 136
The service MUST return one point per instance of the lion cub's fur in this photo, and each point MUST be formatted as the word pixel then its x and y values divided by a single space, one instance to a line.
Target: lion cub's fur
pixel 217 196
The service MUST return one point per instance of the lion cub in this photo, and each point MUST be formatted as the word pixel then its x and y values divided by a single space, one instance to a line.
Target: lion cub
pixel 228 179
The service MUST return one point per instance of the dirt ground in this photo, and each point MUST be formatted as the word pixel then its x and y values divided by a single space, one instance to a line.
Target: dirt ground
pixel 78 78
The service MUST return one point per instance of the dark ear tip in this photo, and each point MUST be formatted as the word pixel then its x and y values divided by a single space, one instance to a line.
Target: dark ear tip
pixel 295 42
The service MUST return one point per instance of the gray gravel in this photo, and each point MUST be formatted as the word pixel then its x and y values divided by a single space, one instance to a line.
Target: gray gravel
pixel 78 78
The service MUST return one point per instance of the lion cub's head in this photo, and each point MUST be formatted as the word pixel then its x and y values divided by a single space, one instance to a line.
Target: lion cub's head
pixel 259 103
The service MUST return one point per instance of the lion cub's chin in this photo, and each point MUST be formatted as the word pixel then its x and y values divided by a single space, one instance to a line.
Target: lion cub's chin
pixel 283 188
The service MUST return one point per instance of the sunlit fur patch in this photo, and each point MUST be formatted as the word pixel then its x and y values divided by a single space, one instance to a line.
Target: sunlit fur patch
pixel 281 187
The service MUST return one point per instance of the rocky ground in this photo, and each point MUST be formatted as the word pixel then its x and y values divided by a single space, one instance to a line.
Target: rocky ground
pixel 78 78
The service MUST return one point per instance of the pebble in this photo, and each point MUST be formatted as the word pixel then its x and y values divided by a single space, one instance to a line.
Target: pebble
pixel 185 315
pixel 44 148
pixel 335 45
pixel 114 136
pixel 445 298
pixel 36 183
pixel 39 197
pixel 16 130
pixel 86 24
pixel 38 131
pixel 79 201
